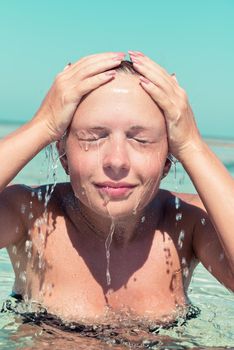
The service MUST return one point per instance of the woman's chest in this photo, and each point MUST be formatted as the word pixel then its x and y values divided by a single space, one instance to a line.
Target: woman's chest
pixel 70 276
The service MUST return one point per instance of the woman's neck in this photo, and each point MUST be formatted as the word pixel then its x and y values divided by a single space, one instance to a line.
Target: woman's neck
pixel 124 229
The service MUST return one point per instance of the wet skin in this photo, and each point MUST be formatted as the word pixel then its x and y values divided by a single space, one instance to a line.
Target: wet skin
pixel 149 274
pixel 117 135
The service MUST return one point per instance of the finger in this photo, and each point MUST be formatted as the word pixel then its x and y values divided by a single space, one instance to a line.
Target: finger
pixel 156 77
pixel 94 69
pixel 67 66
pixel 97 64
pixel 158 95
pixel 139 56
pixel 93 82
pixel 92 59
pixel 152 70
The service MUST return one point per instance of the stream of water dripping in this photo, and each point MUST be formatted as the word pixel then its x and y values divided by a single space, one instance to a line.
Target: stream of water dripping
pixel 108 242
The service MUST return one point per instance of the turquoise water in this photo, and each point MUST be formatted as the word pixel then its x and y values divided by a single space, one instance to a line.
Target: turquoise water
pixel 214 327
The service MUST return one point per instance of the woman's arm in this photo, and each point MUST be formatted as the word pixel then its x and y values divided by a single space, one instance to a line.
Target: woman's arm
pixel 214 184
pixel 48 125
pixel 56 112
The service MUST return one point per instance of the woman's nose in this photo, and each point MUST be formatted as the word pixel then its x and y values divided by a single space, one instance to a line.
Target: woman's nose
pixel 116 158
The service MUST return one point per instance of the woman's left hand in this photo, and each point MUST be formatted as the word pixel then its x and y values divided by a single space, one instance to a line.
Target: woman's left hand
pixel 183 134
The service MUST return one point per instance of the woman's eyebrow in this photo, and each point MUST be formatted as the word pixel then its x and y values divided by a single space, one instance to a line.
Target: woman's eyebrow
pixel 138 128
pixel 134 128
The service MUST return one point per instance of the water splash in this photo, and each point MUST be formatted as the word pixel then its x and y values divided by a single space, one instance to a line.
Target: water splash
pixel 181 239
pixel 177 203
pixel 28 246
pixel 39 195
pixel 178 216
pixel 23 208
pixel 203 221
pixel 53 162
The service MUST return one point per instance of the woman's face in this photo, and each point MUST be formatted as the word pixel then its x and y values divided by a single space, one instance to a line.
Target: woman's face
pixel 116 148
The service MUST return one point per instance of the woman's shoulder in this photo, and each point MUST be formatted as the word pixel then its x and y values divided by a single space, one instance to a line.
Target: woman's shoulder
pixel 176 199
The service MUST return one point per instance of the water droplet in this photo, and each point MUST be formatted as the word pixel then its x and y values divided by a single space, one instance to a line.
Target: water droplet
pixel 30 216
pixel 49 287
pixel 14 249
pixel 177 202
pixel 106 199
pixel 185 272
pixel 29 255
pixel 30 204
pixel 181 239
pixel 221 257
pixel 22 276
pixel 210 269
pixel 28 246
pixel 39 195
pixel 41 237
pixel 178 216
pixel 32 193
pixel 23 208
pixel 40 263
pixel 183 261
pixel 17 264
pixel 203 221
pixel 108 277
pixel 143 219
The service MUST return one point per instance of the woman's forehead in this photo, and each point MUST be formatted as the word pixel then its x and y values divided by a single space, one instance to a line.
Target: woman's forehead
pixel 121 98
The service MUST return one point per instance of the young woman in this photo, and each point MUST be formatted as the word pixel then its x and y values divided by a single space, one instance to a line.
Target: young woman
pixel 110 242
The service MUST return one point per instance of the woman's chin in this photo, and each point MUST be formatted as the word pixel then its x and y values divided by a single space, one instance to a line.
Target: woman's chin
pixel 116 210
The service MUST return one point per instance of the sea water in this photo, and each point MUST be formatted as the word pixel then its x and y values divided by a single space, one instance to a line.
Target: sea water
pixel 214 327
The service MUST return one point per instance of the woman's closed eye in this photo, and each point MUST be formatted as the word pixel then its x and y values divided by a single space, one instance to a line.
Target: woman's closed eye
pixel 144 141
pixel 91 137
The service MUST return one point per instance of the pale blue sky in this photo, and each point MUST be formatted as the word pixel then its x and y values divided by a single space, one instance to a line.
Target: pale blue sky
pixel 193 38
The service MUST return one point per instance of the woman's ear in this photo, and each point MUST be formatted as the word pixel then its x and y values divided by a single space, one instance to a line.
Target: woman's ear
pixel 60 145
pixel 167 167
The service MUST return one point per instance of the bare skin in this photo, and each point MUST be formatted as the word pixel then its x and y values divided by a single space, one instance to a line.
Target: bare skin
pixel 117 134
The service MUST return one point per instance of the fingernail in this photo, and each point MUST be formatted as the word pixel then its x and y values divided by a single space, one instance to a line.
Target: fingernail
pixel 136 53
pixel 110 72
pixel 134 60
pixel 118 59
pixel 120 55
pixel 67 66
pixel 144 80
pixel 173 75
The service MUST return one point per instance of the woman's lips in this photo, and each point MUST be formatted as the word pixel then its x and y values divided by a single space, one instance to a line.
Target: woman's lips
pixel 115 190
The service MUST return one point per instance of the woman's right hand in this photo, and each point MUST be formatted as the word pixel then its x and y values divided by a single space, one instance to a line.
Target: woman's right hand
pixel 75 81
